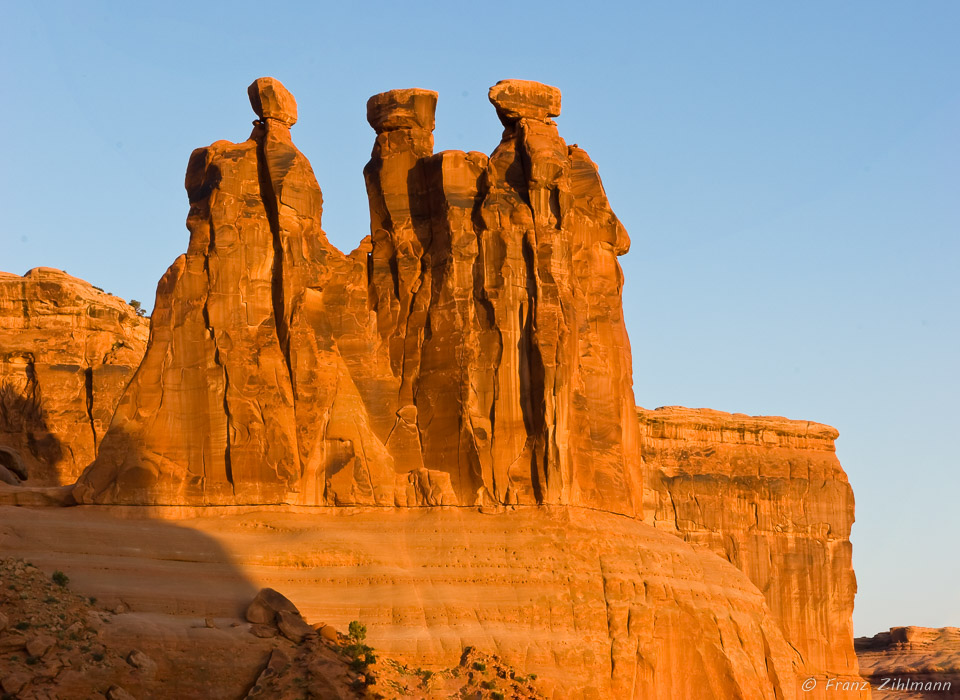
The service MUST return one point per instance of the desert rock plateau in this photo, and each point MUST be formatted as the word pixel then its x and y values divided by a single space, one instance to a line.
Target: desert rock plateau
pixel 435 436
pixel 912 662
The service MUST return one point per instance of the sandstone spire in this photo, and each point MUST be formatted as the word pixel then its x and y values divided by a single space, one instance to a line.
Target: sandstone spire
pixel 471 351
pixel 242 396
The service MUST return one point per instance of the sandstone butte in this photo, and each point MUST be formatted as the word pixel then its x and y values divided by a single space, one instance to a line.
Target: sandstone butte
pixel 470 352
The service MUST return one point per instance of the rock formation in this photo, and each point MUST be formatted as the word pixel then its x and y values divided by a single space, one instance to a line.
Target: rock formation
pixel 597 605
pixel 472 350
pixel 912 662
pixel 67 351
pixel 769 495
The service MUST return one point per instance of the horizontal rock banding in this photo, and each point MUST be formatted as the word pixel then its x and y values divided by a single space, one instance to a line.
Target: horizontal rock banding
pixel 768 494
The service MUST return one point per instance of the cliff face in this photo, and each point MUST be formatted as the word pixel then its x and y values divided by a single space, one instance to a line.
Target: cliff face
pixel 769 495
pixel 67 351
pixel 472 350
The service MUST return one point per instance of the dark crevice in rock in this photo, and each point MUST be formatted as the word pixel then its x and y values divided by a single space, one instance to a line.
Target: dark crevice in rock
pixel 271 205
pixel 88 392
pixel 227 460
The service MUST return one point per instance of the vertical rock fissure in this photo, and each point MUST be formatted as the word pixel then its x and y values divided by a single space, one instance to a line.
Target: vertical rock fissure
pixel 88 391
pixel 486 319
pixel 205 312
pixel 271 206
pixel 533 400
pixel 536 398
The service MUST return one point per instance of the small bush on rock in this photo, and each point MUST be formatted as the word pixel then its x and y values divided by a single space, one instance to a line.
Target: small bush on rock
pixel 361 656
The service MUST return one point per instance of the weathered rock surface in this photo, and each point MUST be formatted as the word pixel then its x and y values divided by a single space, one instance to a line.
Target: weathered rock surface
pixel 911 662
pixel 65 648
pixel 769 495
pixel 67 352
pixel 266 605
pixel 596 605
pixel 471 351
pixel 293 626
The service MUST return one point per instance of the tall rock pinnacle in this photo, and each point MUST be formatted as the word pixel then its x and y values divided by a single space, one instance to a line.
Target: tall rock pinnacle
pixel 471 351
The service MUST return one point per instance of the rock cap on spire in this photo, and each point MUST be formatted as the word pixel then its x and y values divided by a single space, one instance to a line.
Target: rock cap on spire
pixel 410 108
pixel 271 100
pixel 524 99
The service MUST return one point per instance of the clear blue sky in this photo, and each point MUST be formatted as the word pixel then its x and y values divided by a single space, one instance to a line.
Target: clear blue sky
pixel 788 173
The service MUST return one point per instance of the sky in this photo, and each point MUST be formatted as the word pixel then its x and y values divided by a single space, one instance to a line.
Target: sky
pixel 788 174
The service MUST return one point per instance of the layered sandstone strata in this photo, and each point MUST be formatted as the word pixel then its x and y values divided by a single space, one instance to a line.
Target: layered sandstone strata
pixel 769 495
pixel 912 662
pixel 472 350
pixel 67 351
pixel 597 605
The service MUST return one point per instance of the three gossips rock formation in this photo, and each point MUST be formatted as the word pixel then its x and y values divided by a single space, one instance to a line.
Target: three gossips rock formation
pixel 470 352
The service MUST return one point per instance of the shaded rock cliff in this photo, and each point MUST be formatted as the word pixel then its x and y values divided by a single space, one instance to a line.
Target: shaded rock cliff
pixel 67 352
pixel 472 350
pixel 769 495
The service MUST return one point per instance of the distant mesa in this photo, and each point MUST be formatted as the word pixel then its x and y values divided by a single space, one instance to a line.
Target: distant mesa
pixel 916 662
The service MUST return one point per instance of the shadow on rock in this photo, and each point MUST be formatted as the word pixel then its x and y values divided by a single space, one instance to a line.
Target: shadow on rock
pixel 161 605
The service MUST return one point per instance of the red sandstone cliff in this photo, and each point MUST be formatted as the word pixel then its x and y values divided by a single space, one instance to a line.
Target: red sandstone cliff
pixel 67 351
pixel 769 495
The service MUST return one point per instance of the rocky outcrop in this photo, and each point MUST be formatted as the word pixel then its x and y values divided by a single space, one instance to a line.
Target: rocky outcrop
pixel 472 350
pixel 67 351
pixel 912 662
pixel 64 646
pixel 769 495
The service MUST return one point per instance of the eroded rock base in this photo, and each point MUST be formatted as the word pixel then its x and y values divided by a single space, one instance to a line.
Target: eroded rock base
pixel 596 605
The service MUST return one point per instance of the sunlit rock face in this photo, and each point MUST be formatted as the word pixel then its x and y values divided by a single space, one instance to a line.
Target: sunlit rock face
pixel 472 350
pixel 769 495
pixel 67 351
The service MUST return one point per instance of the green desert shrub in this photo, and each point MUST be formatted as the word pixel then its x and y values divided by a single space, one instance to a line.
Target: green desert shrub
pixel 361 656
